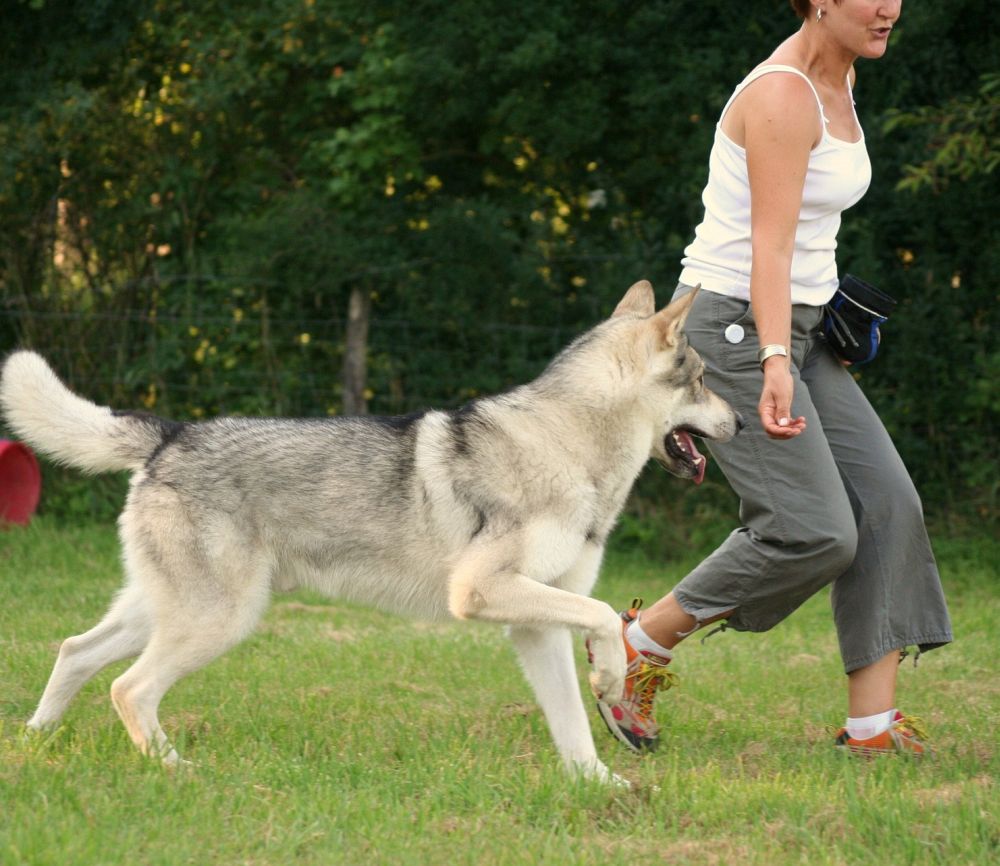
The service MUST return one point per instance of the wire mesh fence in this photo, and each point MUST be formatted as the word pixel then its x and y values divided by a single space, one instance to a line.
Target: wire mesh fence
pixel 200 363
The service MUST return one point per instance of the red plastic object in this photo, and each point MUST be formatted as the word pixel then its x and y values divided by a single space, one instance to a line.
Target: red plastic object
pixel 20 482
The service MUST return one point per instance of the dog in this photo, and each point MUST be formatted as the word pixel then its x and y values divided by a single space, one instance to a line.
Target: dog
pixel 496 511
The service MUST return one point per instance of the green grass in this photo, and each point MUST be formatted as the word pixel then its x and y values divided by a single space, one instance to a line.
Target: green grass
pixel 340 735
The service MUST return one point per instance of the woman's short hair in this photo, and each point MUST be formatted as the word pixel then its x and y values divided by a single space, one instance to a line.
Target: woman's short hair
pixel 804 8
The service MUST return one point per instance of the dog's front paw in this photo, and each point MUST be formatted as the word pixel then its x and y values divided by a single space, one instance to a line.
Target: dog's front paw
pixel 607 687
pixel 607 679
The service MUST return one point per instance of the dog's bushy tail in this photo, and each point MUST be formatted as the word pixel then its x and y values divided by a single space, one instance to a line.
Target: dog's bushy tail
pixel 67 428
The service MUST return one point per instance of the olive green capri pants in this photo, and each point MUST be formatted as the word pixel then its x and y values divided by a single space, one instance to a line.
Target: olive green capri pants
pixel 834 504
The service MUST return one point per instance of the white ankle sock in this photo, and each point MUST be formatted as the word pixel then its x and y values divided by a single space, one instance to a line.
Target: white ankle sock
pixel 870 726
pixel 643 642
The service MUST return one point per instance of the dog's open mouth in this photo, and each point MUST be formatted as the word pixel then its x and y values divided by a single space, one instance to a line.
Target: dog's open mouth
pixel 679 445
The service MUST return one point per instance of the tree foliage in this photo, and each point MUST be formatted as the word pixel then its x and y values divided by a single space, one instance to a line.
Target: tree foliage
pixel 190 193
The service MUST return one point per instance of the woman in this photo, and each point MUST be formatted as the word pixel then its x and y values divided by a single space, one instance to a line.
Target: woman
pixel 824 495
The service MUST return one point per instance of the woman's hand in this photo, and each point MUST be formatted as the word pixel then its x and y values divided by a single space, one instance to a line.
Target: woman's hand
pixel 775 407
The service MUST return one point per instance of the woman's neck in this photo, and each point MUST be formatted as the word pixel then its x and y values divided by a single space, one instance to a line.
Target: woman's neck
pixel 815 53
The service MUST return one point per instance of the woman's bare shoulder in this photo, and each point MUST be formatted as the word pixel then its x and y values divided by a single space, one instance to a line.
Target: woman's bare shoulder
pixel 779 97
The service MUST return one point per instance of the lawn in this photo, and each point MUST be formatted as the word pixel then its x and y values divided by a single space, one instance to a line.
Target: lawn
pixel 340 735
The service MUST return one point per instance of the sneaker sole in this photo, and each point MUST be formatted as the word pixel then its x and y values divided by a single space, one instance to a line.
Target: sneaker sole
pixel 875 753
pixel 635 745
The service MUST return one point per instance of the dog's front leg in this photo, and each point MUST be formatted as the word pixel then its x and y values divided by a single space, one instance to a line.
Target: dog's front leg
pixel 485 585
pixel 546 656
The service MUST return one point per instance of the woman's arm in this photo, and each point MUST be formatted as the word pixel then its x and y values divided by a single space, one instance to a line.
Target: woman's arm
pixel 780 125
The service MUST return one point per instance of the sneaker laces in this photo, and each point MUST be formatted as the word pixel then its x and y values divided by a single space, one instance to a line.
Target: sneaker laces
pixel 647 680
pixel 914 725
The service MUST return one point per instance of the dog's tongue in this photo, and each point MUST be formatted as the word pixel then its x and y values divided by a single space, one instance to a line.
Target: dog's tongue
pixel 687 443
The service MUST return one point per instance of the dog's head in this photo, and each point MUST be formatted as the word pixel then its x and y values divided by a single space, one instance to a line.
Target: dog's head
pixel 671 381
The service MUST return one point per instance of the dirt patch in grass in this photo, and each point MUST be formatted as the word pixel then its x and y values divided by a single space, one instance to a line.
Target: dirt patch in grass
pixel 952 792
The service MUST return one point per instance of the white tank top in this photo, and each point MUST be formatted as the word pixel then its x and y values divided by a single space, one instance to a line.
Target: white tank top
pixel 837 176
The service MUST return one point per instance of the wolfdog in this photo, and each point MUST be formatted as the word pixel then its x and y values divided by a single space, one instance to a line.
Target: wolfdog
pixel 496 511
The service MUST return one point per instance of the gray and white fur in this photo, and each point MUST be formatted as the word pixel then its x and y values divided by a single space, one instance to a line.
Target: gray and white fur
pixel 498 511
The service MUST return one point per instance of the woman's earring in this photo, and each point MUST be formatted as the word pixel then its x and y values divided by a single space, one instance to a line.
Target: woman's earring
pixel 819 13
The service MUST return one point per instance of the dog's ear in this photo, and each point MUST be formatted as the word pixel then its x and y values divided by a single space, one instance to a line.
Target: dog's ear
pixel 638 301
pixel 671 318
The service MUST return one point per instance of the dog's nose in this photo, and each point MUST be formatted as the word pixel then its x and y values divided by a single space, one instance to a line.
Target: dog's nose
pixel 740 423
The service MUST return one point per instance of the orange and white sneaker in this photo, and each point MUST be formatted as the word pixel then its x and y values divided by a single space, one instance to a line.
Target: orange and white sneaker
pixel 905 736
pixel 631 719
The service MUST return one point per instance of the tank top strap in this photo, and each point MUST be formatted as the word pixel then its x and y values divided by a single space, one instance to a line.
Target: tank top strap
pixel 764 70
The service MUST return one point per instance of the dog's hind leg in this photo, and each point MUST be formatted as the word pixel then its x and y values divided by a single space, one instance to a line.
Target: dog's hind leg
pixel 122 633
pixel 189 631
pixel 546 656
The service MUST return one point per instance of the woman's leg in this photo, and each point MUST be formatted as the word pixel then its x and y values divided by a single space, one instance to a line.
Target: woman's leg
pixel 667 623
pixel 889 597
pixel 872 689
pixel 874 725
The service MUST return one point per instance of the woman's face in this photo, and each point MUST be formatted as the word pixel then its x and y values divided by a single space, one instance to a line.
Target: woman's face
pixel 862 26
